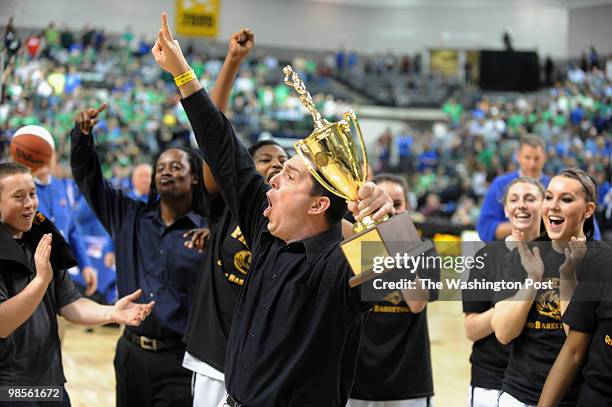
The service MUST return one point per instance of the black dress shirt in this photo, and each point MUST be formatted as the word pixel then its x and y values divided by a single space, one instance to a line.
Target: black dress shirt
pixel 297 325
pixel 149 254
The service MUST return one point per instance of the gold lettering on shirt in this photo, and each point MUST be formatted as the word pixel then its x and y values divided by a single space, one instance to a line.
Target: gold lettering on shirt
pixel 544 325
pixel 236 280
pixel 237 234
pixel 608 340
pixel 391 309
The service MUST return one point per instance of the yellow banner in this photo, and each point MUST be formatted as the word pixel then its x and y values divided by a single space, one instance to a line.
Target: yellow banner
pixel 197 17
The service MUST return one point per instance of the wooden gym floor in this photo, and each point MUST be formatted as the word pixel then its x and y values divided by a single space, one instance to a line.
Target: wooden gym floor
pixel 88 360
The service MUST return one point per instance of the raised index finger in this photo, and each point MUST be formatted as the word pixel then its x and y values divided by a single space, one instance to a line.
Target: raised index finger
pixel 165 28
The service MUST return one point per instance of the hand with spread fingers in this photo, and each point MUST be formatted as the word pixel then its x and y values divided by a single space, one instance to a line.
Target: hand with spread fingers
pixel 127 312
pixel 372 201
pixel 167 51
pixel 574 253
pixel 88 118
pixel 199 238
pixel 531 261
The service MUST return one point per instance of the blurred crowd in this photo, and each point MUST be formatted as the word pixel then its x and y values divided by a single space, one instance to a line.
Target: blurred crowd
pixel 450 165
pixel 52 74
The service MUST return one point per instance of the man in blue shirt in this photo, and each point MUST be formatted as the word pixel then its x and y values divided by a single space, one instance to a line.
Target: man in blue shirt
pixel 492 222
pixel 150 253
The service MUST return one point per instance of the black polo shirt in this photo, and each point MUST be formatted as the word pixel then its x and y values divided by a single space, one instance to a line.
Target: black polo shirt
pixel 489 358
pixel 297 324
pixel 591 312
pixel 31 355
pixel 149 254
pixel 227 260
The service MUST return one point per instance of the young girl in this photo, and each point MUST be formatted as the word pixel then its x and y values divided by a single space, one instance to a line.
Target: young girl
pixel 522 203
pixel 530 317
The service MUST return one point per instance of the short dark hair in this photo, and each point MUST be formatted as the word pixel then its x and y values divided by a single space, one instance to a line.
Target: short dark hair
pixel 196 162
pixel 393 178
pixel 8 169
pixel 532 140
pixel 262 143
pixel 337 205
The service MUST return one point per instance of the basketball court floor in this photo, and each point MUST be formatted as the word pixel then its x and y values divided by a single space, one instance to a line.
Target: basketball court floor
pixel 88 360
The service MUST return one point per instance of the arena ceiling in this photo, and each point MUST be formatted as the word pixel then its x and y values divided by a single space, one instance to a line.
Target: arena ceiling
pixel 570 4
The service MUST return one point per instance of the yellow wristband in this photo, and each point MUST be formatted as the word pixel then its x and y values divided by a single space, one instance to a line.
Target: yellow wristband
pixel 183 78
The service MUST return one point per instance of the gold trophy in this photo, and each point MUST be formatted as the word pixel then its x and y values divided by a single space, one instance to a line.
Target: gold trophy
pixel 330 154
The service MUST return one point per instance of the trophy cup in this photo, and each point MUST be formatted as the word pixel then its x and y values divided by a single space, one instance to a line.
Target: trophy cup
pixel 330 153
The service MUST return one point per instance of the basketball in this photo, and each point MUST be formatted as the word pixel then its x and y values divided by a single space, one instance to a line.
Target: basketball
pixel 32 146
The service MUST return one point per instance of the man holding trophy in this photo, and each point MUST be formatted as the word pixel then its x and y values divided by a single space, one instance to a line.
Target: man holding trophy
pixel 297 325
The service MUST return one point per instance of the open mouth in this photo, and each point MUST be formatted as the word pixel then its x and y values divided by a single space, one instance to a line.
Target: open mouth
pixel 556 221
pixel 269 208
pixel 28 216
pixel 522 215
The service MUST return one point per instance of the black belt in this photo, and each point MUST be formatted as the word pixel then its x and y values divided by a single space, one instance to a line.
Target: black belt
pixel 229 401
pixel 153 344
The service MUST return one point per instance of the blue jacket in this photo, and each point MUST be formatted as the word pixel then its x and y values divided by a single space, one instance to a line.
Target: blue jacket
pixel 54 204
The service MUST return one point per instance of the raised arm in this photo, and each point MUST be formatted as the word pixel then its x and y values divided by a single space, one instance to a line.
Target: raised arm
pixel 240 44
pixel 242 188
pixel 109 204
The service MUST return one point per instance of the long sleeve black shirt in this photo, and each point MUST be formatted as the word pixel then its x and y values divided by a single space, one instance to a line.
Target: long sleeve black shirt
pixel 297 325
pixel 149 254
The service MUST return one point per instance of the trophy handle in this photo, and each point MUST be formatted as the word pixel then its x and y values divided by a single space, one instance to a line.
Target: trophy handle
pixel 298 149
pixel 351 117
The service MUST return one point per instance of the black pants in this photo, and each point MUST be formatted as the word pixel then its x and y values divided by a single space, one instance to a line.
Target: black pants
pixel 151 378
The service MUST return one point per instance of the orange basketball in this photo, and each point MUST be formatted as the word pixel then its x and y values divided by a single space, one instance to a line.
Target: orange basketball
pixel 32 146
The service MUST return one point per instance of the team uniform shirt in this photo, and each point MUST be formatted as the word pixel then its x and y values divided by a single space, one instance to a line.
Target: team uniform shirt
pixel 590 311
pixel 489 358
pixel 297 324
pixel 227 260
pixel 31 355
pixel 394 356
pixel 534 351
pixel 149 254
pixel 394 361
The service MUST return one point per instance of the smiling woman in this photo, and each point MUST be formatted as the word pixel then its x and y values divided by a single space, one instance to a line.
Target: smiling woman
pixel 569 205
pixel 531 317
